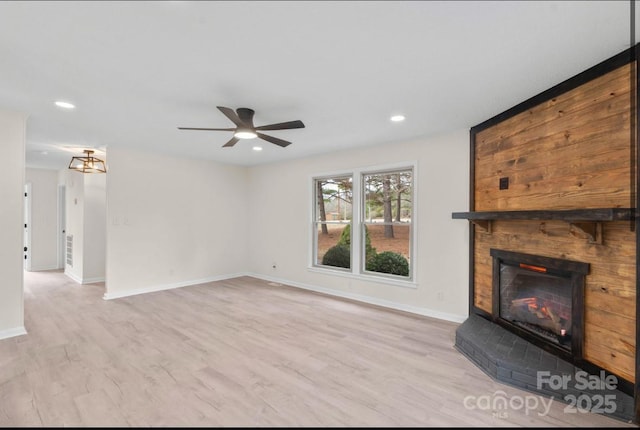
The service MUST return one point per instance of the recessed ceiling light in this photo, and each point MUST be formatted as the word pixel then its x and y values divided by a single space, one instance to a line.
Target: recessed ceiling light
pixel 257 148
pixel 397 118
pixel 65 105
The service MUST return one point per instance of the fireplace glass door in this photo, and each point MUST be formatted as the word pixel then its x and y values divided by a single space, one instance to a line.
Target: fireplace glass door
pixel 537 302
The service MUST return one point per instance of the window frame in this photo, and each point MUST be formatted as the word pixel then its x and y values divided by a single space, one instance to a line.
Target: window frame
pixel 356 271
pixel 363 222
pixel 315 223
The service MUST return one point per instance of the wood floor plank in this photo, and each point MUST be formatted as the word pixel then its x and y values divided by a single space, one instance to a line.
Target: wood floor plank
pixel 242 352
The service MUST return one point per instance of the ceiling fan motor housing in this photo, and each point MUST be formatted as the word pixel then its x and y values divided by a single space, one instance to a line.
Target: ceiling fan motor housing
pixel 246 116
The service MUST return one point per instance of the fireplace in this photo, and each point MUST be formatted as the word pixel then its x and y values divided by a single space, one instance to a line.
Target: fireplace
pixel 535 332
pixel 540 299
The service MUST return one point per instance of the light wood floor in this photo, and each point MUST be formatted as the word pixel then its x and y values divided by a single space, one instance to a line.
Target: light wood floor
pixel 242 353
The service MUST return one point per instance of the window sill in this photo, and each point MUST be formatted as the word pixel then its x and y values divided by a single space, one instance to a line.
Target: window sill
pixel 363 277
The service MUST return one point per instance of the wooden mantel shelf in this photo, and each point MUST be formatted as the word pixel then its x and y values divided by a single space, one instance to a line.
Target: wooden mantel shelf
pixel 589 221
pixel 599 214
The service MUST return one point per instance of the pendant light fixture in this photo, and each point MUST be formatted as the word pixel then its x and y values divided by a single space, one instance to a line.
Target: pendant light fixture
pixel 88 163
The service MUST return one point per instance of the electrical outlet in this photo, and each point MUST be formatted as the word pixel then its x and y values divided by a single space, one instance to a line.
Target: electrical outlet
pixel 440 295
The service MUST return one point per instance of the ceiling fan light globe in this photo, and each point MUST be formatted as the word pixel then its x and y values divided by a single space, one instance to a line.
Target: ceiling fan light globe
pixel 245 134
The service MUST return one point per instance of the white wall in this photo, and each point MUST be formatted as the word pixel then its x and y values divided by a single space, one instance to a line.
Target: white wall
pixel 86 221
pixel 12 174
pixel 44 218
pixel 280 221
pixel 74 182
pixel 172 222
pixel 94 247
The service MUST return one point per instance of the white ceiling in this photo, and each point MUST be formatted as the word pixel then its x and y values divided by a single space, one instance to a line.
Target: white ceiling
pixel 137 70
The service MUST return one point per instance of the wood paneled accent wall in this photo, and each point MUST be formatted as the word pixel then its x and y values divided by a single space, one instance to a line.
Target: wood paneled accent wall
pixel 569 152
pixel 572 151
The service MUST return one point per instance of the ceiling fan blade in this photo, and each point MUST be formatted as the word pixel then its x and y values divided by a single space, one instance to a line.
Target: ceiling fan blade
pixel 246 116
pixel 230 143
pixel 275 140
pixel 282 126
pixel 229 113
pixel 208 129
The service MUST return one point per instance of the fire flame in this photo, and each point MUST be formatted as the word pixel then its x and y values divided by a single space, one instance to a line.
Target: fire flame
pixel 539 269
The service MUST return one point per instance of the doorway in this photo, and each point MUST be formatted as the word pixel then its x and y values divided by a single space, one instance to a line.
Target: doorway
pixel 62 225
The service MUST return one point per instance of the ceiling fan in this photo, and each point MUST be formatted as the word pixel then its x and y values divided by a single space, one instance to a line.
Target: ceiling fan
pixel 243 119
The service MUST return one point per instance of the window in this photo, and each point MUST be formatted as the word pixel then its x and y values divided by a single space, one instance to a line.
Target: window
pixel 363 223
pixel 386 223
pixel 333 215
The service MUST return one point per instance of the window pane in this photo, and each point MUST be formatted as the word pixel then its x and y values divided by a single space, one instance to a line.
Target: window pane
pixel 328 240
pixel 333 199
pixel 387 222
pixel 388 196
pixel 333 213
pixel 399 241
pixel 390 249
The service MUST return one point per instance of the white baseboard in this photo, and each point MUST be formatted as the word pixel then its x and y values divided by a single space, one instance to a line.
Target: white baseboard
pixel 74 277
pixel 155 288
pixel 358 297
pixel 83 281
pixel 12 332
pixel 366 299
pixel 43 268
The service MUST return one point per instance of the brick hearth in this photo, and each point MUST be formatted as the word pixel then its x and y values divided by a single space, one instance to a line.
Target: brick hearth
pixel 512 360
